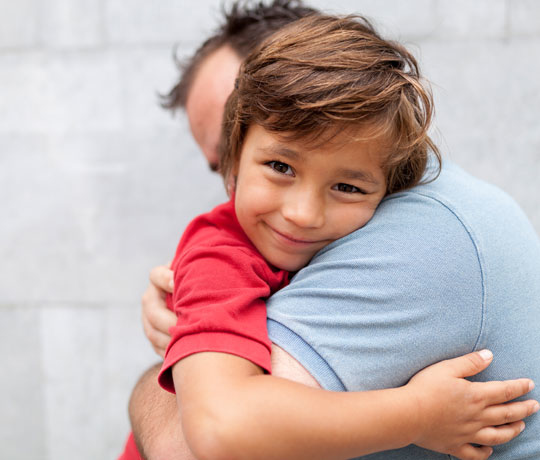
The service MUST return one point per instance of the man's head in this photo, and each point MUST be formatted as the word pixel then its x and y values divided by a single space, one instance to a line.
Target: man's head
pixel 322 76
pixel 206 100
pixel 208 76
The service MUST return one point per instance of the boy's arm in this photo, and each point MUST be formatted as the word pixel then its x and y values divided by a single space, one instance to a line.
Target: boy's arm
pixel 231 410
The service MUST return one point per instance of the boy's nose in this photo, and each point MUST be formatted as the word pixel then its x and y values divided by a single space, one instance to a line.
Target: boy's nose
pixel 304 210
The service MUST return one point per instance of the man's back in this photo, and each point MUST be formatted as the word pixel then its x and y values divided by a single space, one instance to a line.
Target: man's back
pixel 441 270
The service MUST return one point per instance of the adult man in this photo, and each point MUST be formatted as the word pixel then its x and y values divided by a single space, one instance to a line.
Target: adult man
pixel 441 270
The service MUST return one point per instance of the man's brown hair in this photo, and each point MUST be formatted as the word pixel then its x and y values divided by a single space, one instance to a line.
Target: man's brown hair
pixel 246 25
pixel 322 75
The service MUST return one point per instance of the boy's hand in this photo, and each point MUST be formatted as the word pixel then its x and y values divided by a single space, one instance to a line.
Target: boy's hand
pixel 156 317
pixel 456 413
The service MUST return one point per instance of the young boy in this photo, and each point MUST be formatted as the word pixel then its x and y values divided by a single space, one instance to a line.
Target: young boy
pixel 326 119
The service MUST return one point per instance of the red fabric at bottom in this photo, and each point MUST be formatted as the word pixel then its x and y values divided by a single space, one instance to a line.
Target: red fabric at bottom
pixel 130 450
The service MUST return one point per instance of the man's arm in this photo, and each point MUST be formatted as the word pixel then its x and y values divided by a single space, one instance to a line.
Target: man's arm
pixel 155 420
pixel 153 413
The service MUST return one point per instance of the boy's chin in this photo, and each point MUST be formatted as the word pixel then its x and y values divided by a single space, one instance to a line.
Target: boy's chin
pixel 290 264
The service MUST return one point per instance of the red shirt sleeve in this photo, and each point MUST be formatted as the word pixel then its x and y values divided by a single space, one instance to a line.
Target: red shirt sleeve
pixel 220 300
pixel 221 286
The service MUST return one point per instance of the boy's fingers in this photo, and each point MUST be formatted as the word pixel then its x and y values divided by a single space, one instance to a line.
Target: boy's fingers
pixel 469 452
pixel 162 277
pixel 469 364
pixel 509 413
pixel 495 435
pixel 500 392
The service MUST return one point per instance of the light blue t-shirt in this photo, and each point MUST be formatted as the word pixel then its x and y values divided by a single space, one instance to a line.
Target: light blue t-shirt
pixel 441 270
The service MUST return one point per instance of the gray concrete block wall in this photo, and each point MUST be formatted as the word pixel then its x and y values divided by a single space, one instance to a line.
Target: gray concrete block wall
pixel 97 182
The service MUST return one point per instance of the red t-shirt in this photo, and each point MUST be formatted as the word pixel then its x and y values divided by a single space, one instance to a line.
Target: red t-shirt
pixel 221 283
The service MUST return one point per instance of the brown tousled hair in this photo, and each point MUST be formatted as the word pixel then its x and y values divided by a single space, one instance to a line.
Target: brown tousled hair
pixel 245 26
pixel 322 75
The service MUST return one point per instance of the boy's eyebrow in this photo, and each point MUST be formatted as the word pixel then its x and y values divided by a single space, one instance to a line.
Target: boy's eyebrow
pixel 281 150
pixel 365 176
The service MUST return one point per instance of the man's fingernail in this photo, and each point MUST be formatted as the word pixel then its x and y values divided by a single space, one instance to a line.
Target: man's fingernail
pixel 486 354
pixel 536 407
pixel 522 427
pixel 531 385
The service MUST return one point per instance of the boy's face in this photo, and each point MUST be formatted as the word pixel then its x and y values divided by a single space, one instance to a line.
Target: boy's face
pixel 292 201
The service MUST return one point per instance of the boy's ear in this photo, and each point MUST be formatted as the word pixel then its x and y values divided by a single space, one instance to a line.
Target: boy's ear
pixel 231 184
pixel 235 168
pixel 231 181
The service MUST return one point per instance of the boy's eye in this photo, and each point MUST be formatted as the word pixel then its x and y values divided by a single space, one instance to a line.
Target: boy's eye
pixel 347 188
pixel 282 168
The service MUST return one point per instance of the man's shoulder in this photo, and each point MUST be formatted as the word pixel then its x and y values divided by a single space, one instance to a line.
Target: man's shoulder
pixel 460 196
pixel 424 226
pixel 456 211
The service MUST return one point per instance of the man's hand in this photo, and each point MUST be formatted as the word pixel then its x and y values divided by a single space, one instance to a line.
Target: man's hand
pixel 156 317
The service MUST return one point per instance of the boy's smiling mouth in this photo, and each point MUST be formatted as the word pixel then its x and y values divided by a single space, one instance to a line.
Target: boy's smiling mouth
pixel 290 240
